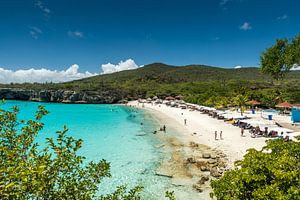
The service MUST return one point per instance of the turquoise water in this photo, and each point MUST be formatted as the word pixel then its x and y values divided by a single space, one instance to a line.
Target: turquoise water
pixel 110 132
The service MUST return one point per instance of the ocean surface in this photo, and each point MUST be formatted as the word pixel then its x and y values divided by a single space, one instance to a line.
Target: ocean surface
pixel 119 134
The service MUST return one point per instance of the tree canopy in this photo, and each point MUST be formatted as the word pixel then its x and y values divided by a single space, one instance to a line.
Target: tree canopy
pixel 272 173
pixel 278 59
pixel 293 52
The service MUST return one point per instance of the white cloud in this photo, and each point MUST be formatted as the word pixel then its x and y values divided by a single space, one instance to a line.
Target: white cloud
pixel 238 67
pixel 76 34
pixel 46 11
pixel 35 32
pixel 246 26
pixel 126 65
pixel 42 75
pixel 283 17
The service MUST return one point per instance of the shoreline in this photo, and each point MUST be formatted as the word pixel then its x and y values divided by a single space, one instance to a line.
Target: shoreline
pixel 187 167
pixel 189 173
pixel 195 139
pixel 232 144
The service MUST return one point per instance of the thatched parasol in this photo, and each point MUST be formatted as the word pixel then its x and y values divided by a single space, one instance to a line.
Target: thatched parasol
pixel 179 97
pixel 170 98
pixel 284 105
pixel 296 105
pixel 253 103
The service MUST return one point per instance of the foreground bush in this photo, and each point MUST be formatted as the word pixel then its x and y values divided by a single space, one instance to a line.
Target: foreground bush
pixel 273 173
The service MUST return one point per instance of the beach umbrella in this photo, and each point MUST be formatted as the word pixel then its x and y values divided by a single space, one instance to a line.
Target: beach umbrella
pixel 253 103
pixel 284 105
pixel 179 97
pixel 170 98
pixel 296 105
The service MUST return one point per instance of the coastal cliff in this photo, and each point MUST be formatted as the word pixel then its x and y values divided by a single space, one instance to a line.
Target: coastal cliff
pixel 62 96
pixel 199 84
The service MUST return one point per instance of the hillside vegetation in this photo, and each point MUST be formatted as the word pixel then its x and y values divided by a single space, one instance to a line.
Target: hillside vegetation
pixel 197 83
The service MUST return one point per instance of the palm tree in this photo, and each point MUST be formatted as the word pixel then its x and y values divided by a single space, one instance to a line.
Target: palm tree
pixel 240 101
pixel 222 102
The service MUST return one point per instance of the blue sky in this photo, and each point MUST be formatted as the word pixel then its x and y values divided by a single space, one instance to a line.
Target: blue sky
pixel 58 33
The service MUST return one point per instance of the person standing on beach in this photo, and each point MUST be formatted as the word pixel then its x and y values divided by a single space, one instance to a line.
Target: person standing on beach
pixel 221 132
pixel 185 122
pixel 216 135
pixel 164 128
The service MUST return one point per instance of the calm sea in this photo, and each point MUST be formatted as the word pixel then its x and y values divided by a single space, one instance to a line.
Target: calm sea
pixel 119 134
pixel 110 132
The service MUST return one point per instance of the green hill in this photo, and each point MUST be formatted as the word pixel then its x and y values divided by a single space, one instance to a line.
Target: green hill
pixel 197 83
pixel 174 74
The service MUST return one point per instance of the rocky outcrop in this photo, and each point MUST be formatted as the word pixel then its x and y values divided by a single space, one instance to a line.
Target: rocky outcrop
pixel 62 96
pixel 16 94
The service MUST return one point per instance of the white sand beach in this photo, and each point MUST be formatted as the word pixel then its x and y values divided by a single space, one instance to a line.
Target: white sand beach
pixel 186 169
pixel 232 143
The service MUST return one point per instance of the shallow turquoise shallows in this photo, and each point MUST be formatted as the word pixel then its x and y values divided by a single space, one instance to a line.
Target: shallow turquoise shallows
pixel 110 132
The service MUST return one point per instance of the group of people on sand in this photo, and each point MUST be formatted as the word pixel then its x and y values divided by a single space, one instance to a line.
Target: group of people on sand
pixel 164 128
pixel 216 135
pixel 255 132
